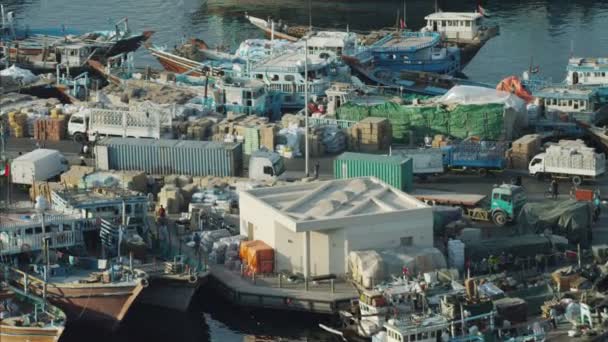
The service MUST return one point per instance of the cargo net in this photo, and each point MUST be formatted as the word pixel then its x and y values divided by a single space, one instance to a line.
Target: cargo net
pixel 462 121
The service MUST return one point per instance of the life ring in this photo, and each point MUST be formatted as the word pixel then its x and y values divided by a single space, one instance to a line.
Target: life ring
pixel 193 279
pixel 144 282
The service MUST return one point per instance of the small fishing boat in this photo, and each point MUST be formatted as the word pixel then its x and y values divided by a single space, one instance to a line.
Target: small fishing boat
pixel 24 317
pixel 277 29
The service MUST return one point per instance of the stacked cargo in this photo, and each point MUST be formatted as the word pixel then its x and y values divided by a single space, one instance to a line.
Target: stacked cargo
pixel 523 150
pixel 17 123
pixel 574 154
pixel 51 129
pixel 257 256
pixel 254 132
pixel 371 134
pixel 252 140
pixel 440 140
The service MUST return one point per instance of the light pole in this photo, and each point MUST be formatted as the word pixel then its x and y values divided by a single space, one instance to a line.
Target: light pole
pixel 41 206
pixel 306 106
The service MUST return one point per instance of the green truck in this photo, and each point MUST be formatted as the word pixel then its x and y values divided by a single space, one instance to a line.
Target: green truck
pixel 505 204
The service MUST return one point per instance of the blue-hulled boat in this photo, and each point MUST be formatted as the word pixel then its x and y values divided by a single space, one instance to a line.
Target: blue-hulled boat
pixel 398 59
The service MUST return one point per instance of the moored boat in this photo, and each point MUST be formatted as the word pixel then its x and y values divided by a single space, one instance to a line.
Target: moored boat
pixel 27 318
pixel 172 285
pixel 85 294
pixel 276 29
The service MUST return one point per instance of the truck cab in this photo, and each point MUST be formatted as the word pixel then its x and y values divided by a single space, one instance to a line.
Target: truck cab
pixel 537 165
pixel 265 165
pixel 506 203
pixel 78 126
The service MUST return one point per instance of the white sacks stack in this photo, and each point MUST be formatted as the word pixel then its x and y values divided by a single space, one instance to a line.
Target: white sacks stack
pixel 574 154
pixel 456 254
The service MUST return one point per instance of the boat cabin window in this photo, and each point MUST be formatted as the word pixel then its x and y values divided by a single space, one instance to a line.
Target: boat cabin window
pixel 603 74
pixel 412 337
pixel 433 334
pixel 289 78
pixel 259 76
pixel 477 21
pixel 575 105
pixel 443 23
pixel 275 77
pixel 467 23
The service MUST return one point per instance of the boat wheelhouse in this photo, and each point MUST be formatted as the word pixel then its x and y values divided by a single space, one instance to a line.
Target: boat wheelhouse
pixel 334 41
pixel 583 103
pixel 457 26
pixel 419 329
pixel 284 74
pixel 246 96
pixel 587 71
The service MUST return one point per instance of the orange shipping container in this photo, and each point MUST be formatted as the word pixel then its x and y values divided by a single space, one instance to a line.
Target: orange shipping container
pixel 258 256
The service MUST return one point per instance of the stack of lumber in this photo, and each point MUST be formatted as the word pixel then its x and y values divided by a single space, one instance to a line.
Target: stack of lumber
pixel 370 135
pixel 51 129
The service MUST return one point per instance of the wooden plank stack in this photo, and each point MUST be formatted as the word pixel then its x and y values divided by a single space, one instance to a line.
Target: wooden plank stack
pixel 370 135
pixel 523 150
pixel 50 129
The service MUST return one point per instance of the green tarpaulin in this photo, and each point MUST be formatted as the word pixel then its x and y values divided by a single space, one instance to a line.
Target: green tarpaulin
pixel 461 121
pixel 568 218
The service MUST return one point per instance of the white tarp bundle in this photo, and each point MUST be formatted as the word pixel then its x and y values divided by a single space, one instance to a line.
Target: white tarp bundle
pixel 291 136
pixel 471 95
pixel 374 266
pixel 16 73
pixel 365 267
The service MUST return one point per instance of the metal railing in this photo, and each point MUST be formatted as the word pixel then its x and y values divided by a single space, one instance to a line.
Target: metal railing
pixel 35 242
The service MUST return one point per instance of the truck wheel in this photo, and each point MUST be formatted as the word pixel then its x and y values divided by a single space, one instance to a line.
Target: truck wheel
pixel 499 218
pixel 78 137
pixel 577 180
pixel 482 172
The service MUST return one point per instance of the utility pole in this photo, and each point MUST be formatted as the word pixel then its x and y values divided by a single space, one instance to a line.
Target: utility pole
pixel 306 106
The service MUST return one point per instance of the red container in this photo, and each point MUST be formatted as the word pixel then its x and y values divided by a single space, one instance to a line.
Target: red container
pixel 583 195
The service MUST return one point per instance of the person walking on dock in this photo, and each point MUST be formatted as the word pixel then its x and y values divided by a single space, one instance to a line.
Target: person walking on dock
pixel 554 189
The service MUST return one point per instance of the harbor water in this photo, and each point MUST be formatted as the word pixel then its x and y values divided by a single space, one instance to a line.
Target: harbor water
pixel 542 33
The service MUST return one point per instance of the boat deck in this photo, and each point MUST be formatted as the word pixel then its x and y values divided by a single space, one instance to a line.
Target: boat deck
pixel 407 42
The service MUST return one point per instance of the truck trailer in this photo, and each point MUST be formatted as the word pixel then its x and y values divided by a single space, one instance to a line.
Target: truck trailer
pixel 426 161
pixel 505 203
pixel 89 124
pixel 480 157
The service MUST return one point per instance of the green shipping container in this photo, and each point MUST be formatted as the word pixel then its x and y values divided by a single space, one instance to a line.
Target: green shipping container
pixel 393 170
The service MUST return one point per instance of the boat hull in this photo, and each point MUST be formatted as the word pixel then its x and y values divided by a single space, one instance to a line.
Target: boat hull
pixel 171 293
pixel 129 44
pixel 21 334
pixel 181 65
pixel 105 305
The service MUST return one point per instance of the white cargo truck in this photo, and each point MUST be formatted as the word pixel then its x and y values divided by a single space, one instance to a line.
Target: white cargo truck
pixel 425 161
pixel 265 165
pixel 91 123
pixel 568 159
pixel 38 165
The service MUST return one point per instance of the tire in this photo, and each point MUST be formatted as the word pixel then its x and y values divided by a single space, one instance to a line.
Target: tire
pixel 577 180
pixel 482 172
pixel 499 218
pixel 78 137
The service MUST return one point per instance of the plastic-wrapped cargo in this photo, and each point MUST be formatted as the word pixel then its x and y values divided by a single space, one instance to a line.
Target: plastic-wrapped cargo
pixel 416 259
pixel 459 118
pixel 366 268
pixel 569 218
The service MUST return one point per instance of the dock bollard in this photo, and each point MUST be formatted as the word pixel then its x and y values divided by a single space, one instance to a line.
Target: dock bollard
pixel 332 285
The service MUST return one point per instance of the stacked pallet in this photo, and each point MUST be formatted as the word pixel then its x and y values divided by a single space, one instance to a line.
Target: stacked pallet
pixel 51 129
pixel 370 135
pixel 523 150
pixel 574 154
pixel 440 140
pixel 254 132
pixel 17 123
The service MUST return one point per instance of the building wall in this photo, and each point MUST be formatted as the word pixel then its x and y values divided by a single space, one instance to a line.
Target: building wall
pixel 289 249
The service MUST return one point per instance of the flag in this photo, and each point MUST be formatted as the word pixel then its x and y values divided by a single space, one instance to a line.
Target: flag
pixel 482 11
pixel 402 23
pixel 6 170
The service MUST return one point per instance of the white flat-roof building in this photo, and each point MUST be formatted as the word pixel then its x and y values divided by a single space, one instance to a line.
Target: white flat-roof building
pixel 313 226
pixel 455 25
